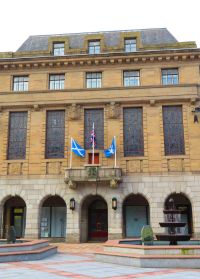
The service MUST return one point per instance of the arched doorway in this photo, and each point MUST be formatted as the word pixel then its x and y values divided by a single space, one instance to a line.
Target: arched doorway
pixel 136 215
pixel 183 203
pixel 14 214
pixel 94 219
pixel 53 218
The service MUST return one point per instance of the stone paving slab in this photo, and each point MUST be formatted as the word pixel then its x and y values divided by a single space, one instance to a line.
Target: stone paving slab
pixel 80 264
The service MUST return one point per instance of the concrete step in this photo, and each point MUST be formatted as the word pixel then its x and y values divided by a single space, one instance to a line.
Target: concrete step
pixel 25 246
pixel 28 255
pixel 157 261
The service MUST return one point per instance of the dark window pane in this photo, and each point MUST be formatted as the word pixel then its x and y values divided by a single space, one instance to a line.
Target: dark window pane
pixel 133 132
pixel 17 135
pixel 173 130
pixel 96 116
pixel 55 134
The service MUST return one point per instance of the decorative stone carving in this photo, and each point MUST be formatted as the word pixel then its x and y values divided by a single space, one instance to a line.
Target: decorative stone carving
pixel 53 168
pixel 36 107
pixel 74 112
pixel 92 174
pixel 71 184
pixel 113 110
pixel 15 168
pixel 114 182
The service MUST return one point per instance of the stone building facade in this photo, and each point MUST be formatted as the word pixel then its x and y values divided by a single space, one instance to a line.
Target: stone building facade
pixel 141 86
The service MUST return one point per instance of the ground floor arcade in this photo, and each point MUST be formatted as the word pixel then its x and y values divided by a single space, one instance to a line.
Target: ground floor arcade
pixel 46 208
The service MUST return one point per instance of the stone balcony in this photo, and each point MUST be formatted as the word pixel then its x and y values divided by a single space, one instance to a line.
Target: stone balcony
pixel 91 174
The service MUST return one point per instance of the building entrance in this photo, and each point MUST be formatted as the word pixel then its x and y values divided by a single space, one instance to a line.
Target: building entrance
pixel 53 218
pixel 15 215
pixel 98 220
pixel 136 215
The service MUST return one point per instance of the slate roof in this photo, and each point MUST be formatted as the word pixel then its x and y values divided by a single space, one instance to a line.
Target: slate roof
pixel 154 36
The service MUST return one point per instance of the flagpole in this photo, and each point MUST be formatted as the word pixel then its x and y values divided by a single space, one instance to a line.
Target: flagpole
pixel 115 152
pixel 93 145
pixel 70 163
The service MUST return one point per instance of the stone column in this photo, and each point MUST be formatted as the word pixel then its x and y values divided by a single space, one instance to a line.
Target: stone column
pixel 32 222
pixel 72 226
pixel 156 216
pixel 1 222
pixel 195 219
pixel 114 221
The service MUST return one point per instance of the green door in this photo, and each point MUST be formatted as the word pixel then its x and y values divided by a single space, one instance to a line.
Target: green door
pixel 136 218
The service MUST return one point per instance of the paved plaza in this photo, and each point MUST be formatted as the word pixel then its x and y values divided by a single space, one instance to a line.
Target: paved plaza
pixel 77 262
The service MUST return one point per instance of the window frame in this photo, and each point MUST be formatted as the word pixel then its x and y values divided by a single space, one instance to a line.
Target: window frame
pixel 165 78
pixel 58 51
pixel 94 49
pixel 169 137
pixel 22 85
pixel 130 47
pixel 140 137
pixel 22 155
pixel 48 136
pixel 129 78
pixel 95 82
pixel 60 81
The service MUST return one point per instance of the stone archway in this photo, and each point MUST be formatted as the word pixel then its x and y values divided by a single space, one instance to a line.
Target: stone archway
pixel 182 202
pixel 135 215
pixel 94 219
pixel 14 214
pixel 53 217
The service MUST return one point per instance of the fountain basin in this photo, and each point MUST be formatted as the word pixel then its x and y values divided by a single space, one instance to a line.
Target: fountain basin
pixel 132 252
pixel 173 237
pixel 172 224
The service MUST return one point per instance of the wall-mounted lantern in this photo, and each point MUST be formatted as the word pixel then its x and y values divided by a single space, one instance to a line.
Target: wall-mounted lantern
pixel 114 203
pixel 196 112
pixel 72 204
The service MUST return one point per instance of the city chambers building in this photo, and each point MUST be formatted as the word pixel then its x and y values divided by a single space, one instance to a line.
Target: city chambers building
pixel 140 87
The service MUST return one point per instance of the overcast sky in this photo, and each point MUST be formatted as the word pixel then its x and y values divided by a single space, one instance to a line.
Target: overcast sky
pixel 21 18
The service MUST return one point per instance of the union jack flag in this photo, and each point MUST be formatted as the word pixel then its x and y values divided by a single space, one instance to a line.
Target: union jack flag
pixel 93 137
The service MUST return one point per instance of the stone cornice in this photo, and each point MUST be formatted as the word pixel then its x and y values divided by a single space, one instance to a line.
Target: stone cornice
pixel 64 102
pixel 113 88
pixel 102 59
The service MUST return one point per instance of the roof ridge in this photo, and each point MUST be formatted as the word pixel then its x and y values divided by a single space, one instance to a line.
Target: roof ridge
pixel 96 32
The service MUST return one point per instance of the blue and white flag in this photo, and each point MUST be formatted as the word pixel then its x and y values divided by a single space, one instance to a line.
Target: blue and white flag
pixel 111 150
pixel 77 149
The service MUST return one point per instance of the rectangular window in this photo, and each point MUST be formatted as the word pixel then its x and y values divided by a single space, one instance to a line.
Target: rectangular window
pixel 130 45
pixel 133 132
pixel 56 82
pixel 20 83
pixel 173 130
pixel 94 47
pixel 58 49
pixel 170 76
pixel 131 78
pixel 55 134
pixel 93 80
pixel 17 135
pixel 95 116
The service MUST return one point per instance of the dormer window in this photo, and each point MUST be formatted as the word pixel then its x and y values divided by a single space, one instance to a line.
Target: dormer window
pixel 130 45
pixel 58 49
pixel 94 47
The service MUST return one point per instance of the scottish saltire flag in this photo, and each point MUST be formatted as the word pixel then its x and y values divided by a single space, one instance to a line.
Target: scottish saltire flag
pixel 77 149
pixel 111 150
pixel 93 137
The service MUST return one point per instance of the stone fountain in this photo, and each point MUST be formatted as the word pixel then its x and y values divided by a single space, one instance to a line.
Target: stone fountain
pixel 172 223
